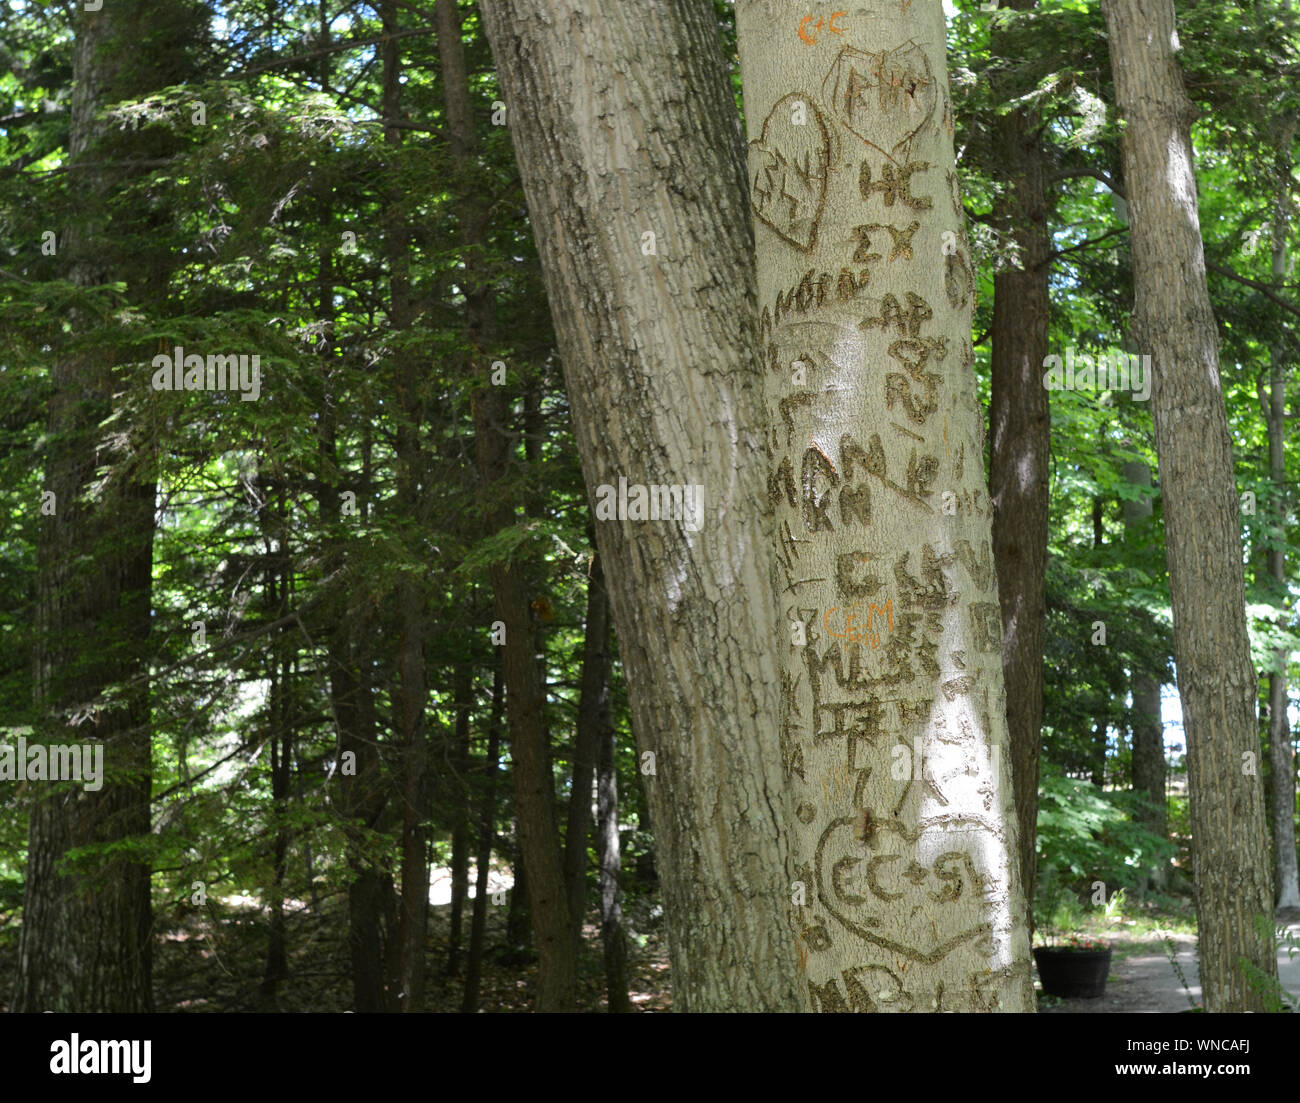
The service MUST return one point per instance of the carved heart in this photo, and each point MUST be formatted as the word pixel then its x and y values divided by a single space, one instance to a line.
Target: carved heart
pixel 788 167
pixel 886 98
pixel 858 885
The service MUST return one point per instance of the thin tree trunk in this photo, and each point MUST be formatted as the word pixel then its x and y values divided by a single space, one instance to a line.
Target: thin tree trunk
pixel 1281 755
pixel 461 794
pixel 517 908
pixel 1097 759
pixel 1020 423
pixel 893 718
pixel 612 935
pixel 486 835
pixel 624 127
pixel 1148 731
pixel 410 593
pixel 529 746
pixel 593 704
pixel 280 721
pixel 1216 681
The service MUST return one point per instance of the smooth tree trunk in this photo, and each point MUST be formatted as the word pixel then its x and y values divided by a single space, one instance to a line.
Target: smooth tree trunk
pixel 630 154
pixel 1149 768
pixel 1281 755
pixel 893 719
pixel 1020 424
pixel 1216 681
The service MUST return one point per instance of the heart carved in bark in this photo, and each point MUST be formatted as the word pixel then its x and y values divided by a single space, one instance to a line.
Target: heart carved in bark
pixel 878 890
pixel 883 98
pixel 788 166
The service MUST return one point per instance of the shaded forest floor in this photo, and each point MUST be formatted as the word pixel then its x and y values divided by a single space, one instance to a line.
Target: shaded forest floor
pixel 212 961
pixel 205 967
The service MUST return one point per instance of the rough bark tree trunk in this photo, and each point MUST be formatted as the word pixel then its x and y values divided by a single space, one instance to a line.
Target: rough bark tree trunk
pixel 1216 681
pixel 1020 425
pixel 85 943
pixel 893 718
pixel 629 150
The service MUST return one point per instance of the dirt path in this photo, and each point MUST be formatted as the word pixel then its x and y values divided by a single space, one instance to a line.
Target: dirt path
pixel 1146 982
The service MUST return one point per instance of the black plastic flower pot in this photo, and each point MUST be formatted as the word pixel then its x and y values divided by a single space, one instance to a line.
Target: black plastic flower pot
pixel 1072 974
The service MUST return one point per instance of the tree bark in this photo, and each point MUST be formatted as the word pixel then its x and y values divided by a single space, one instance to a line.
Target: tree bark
pixel 893 718
pixel 624 126
pixel 529 746
pixel 1020 424
pixel 613 937
pixel 534 784
pixel 461 795
pixel 1281 755
pixel 412 493
pixel 1148 729
pixel 1216 681
pixel 85 943
pixel 486 836
pixel 279 574
pixel 593 706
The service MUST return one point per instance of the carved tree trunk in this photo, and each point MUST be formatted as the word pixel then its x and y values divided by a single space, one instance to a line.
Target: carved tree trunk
pixel 1021 426
pixel 624 127
pixel 1216 680
pixel 893 723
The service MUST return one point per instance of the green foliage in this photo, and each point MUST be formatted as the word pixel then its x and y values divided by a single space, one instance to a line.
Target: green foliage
pixel 1086 834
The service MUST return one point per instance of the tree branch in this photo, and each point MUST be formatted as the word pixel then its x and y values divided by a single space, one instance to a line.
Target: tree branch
pixel 1087 243
pixel 1262 288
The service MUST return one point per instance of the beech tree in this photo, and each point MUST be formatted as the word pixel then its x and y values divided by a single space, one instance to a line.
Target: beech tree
pixel 892 723
pixel 1216 680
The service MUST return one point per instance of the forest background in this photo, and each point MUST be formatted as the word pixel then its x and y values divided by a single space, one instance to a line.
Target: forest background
pixel 307 660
